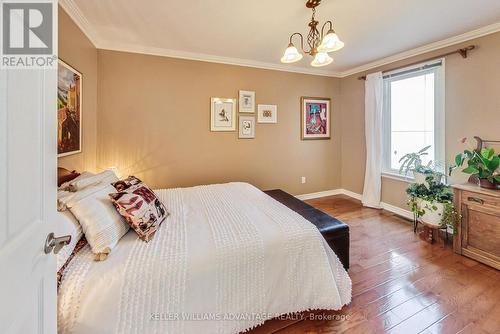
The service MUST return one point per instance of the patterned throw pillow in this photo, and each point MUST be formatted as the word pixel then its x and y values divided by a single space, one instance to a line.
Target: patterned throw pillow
pixel 138 204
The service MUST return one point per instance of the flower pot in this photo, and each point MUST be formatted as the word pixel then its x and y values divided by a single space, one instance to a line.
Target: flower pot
pixel 485 183
pixel 433 212
pixel 420 178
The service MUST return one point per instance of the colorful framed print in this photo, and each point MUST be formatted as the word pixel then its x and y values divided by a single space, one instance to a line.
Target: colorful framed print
pixel 247 127
pixel 222 114
pixel 69 110
pixel 267 113
pixel 247 101
pixel 315 118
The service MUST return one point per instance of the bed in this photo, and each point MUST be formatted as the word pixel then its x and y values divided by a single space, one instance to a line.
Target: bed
pixel 227 258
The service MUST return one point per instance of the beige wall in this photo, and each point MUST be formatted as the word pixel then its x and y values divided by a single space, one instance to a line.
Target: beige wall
pixel 153 122
pixel 77 50
pixel 153 118
pixel 472 108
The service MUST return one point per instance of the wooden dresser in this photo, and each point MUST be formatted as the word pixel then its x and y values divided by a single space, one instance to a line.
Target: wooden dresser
pixel 478 234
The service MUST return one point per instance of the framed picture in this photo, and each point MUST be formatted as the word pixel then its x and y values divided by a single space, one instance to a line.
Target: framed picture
pixel 222 114
pixel 69 110
pixel 315 118
pixel 247 127
pixel 267 113
pixel 247 101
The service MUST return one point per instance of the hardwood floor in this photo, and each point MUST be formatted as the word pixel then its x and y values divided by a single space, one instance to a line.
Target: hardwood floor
pixel 402 284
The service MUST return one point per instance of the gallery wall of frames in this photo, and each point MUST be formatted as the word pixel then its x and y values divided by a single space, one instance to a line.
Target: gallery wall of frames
pixel 227 114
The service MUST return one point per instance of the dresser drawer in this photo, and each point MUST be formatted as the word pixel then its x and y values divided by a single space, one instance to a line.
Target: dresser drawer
pixel 490 202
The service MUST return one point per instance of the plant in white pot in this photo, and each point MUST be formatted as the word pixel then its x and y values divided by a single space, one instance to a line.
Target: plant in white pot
pixel 412 162
pixel 433 204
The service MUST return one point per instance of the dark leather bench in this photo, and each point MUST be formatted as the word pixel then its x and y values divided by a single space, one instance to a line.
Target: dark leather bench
pixel 333 230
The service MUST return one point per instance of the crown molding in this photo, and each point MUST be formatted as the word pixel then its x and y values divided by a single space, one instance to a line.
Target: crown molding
pixel 483 31
pixel 212 58
pixel 72 9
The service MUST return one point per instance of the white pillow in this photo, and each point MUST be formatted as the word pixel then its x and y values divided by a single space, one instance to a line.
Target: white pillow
pixel 66 224
pixel 72 190
pixel 83 175
pixel 101 223
pixel 77 184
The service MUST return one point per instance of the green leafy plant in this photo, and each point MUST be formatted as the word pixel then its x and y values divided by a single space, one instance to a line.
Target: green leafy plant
pixel 413 162
pixel 436 192
pixel 484 163
pixel 451 217
pixel 413 204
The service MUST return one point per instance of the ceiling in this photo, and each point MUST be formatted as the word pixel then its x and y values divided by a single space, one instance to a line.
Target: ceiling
pixel 255 33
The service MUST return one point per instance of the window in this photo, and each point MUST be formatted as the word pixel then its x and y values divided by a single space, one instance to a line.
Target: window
pixel 413 114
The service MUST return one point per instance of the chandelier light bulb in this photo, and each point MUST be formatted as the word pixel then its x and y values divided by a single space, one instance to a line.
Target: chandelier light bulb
pixel 291 55
pixel 330 43
pixel 321 59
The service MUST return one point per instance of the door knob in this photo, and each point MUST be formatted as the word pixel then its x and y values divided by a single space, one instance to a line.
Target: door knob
pixel 56 243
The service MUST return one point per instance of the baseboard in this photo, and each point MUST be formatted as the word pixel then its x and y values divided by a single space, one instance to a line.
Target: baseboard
pixel 386 206
pixel 319 194
pixel 397 210
pixel 351 194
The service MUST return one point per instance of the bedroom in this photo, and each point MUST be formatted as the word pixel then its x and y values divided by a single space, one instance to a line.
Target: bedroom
pixel 255 226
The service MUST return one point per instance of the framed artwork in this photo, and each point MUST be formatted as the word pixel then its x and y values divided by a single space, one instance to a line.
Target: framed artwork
pixel 267 113
pixel 315 118
pixel 222 114
pixel 247 101
pixel 247 127
pixel 69 110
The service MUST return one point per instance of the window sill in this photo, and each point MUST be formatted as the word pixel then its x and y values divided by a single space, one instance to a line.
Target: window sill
pixel 398 177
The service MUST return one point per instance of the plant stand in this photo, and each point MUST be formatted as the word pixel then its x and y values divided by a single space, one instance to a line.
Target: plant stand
pixel 430 232
pixel 415 222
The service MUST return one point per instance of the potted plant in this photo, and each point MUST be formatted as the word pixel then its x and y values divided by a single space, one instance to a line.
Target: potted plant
pixel 413 162
pixel 483 163
pixel 433 204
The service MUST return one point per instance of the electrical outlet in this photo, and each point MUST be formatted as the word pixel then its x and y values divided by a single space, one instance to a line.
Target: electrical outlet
pixel 303 179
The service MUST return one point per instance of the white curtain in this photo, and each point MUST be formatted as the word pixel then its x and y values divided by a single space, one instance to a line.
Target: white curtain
pixel 374 96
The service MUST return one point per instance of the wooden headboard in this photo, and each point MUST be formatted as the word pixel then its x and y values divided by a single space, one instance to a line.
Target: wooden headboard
pixel 65 175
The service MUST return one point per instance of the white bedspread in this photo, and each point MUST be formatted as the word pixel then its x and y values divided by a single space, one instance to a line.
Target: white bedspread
pixel 226 259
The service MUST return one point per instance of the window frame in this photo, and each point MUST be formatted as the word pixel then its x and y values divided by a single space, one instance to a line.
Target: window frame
pixel 439 114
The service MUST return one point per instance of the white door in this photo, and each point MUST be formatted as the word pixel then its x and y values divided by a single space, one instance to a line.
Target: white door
pixel 28 163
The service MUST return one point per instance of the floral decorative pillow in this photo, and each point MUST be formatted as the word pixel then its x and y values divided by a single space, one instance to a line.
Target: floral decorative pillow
pixel 139 205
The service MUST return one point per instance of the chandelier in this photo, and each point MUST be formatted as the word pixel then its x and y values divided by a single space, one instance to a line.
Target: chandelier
pixel 319 44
